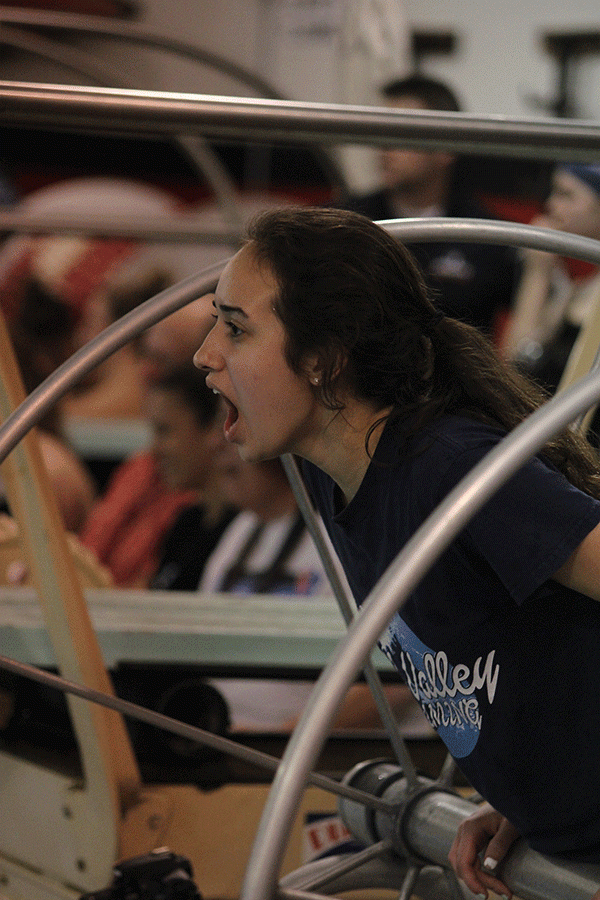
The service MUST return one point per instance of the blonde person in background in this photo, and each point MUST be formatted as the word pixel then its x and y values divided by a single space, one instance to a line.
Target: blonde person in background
pixel 551 306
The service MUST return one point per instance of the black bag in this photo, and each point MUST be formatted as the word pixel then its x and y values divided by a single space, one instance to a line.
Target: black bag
pixel 158 875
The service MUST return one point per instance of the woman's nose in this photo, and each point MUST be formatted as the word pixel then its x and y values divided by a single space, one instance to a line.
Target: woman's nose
pixel 206 356
pixel 199 358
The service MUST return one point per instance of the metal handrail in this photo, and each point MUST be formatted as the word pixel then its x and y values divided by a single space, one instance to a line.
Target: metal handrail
pixel 180 227
pixel 16 22
pixel 162 112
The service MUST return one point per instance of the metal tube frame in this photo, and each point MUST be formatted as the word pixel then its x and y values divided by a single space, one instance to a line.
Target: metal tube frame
pixel 162 112
pixel 411 564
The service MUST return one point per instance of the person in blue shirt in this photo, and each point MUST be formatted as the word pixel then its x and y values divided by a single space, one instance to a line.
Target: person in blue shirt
pixel 326 345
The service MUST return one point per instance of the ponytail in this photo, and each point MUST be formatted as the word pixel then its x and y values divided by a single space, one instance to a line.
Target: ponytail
pixel 470 377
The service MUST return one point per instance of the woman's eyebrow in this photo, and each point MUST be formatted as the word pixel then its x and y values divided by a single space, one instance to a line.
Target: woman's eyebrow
pixel 222 307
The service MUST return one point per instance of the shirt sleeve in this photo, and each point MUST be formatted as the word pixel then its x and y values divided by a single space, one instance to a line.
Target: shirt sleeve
pixel 531 526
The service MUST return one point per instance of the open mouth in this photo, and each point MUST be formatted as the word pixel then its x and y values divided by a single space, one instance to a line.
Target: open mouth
pixel 231 413
pixel 231 419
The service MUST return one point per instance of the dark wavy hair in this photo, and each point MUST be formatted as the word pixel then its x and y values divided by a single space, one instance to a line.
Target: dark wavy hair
pixel 352 295
pixel 433 94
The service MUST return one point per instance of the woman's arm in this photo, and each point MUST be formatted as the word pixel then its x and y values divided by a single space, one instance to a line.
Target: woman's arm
pixel 531 295
pixel 581 571
pixel 487 830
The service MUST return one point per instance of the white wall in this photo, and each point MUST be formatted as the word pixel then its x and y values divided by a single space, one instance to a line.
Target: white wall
pixel 498 67
pixel 500 62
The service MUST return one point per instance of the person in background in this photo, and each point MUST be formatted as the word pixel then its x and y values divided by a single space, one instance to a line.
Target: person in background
pixel 115 388
pixel 87 280
pixel 130 520
pixel 46 287
pixel 91 274
pixel 267 549
pixel 42 336
pixel 187 434
pixel 473 282
pixel 550 305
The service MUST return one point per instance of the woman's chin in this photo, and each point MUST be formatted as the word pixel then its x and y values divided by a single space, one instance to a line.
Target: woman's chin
pixel 252 454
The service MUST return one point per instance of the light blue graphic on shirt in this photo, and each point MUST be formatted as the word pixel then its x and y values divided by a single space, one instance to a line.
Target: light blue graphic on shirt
pixel 447 694
pixel 304 584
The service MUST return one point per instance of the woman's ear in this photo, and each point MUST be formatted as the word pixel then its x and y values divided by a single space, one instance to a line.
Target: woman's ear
pixel 314 370
pixel 318 370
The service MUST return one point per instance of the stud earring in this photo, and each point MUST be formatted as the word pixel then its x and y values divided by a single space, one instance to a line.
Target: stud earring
pixel 316 380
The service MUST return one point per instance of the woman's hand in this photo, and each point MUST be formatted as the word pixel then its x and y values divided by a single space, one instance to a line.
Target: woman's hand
pixel 487 829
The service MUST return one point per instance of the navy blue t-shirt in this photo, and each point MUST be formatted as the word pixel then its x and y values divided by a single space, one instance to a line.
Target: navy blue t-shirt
pixel 504 661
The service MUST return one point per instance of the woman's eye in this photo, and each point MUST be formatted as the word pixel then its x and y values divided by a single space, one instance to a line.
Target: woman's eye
pixel 234 330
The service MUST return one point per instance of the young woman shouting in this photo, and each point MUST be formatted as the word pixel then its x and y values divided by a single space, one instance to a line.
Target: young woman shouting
pixel 326 345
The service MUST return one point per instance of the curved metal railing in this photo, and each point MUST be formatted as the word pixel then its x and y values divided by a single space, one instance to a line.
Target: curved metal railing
pixel 412 563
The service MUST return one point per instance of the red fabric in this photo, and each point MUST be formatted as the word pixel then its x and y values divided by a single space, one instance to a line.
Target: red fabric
pixel 126 527
pixel 91 269
pixel 84 272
